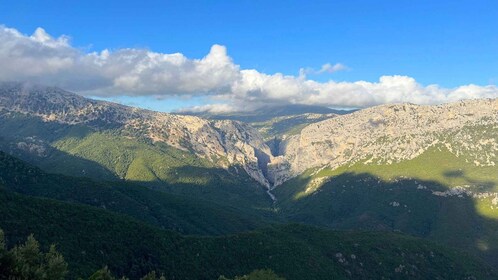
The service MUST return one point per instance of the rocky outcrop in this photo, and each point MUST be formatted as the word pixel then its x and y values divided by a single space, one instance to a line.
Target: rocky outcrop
pixel 392 133
pixel 223 142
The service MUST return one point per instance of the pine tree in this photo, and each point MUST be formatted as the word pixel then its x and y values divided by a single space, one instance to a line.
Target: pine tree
pixel 56 267
pixel 5 260
pixel 260 274
pixel 102 274
pixel 152 276
pixel 28 262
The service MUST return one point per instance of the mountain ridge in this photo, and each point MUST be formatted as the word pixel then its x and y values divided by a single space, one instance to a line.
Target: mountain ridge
pixel 409 129
pixel 332 142
pixel 206 139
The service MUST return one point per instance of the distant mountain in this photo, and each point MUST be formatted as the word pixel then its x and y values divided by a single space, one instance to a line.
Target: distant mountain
pixel 278 128
pixel 267 113
pixel 278 121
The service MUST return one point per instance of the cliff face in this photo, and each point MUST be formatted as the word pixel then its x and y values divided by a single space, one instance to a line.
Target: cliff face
pixel 224 142
pixel 392 133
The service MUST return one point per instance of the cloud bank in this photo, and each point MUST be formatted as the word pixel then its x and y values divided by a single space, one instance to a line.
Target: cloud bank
pixel 44 59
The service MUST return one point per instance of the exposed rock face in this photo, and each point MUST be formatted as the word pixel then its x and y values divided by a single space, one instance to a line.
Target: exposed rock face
pixel 224 142
pixel 392 133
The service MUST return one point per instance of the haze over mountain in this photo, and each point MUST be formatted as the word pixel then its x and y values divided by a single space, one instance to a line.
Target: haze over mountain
pixel 267 113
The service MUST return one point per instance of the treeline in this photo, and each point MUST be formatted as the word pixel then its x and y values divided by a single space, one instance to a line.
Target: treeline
pixel 28 262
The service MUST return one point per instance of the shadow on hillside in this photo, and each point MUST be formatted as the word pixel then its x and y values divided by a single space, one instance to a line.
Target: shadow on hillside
pixel 186 215
pixel 460 174
pixel 29 138
pixel 228 187
pixel 206 183
pixel 422 208
pixel 362 201
pixel 210 184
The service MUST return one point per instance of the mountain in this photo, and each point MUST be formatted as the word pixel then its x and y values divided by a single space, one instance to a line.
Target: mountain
pixel 390 134
pixel 269 112
pixel 429 171
pixel 118 224
pixel 276 122
pixel 426 171
pixel 65 133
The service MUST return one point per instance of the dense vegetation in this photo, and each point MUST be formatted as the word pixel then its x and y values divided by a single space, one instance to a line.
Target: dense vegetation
pixel 260 274
pixel 185 215
pixel 90 238
pixel 27 261
pixel 416 197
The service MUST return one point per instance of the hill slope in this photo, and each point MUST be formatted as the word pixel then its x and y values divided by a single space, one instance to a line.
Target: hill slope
pixel 66 133
pixel 90 237
pixel 436 195
pixel 392 133
pixel 179 213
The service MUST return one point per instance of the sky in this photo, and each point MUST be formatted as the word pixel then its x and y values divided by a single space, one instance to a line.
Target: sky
pixel 239 55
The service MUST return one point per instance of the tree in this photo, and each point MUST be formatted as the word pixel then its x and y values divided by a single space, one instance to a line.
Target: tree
pixel 27 261
pixel 2 242
pixel 260 274
pixel 56 267
pixel 152 276
pixel 102 274
pixel 5 259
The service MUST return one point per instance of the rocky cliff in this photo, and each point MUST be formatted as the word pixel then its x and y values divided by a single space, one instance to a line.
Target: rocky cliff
pixel 223 142
pixel 392 133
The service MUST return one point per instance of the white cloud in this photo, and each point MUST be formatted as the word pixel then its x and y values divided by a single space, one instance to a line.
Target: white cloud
pixel 211 108
pixel 326 68
pixel 329 68
pixel 139 72
pixel 42 58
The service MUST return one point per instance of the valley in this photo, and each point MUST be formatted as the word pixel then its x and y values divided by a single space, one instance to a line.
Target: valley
pixel 300 190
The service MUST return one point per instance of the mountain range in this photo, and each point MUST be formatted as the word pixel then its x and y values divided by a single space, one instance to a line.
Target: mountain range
pixel 422 177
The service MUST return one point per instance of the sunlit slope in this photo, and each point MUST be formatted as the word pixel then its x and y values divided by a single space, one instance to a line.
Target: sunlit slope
pixel 90 237
pixel 435 195
pixel 165 168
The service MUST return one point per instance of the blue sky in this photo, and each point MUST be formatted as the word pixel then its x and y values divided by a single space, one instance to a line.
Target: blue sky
pixel 448 43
